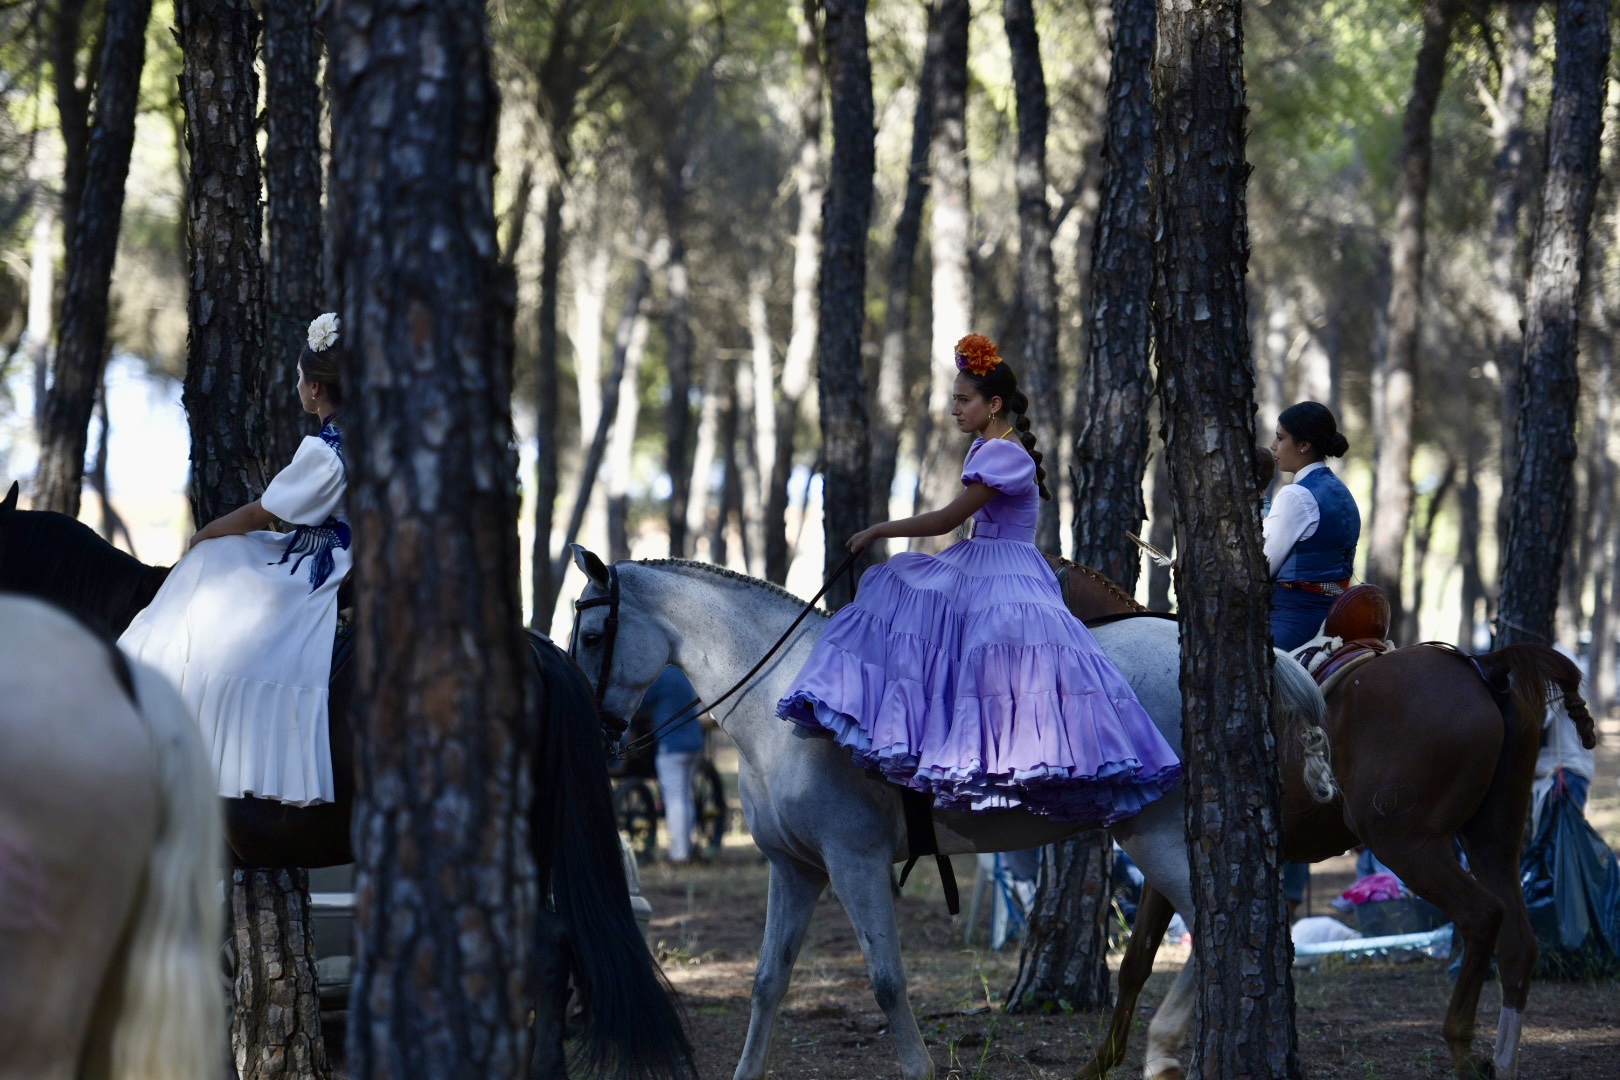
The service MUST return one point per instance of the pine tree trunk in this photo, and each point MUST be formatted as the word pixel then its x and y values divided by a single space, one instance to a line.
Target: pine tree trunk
pixel 224 386
pixel 543 594
pixel 754 382
pixel 1469 521
pixel 950 239
pixel 68 31
pixel 799 359
pixel 1065 950
pixel 1395 371
pixel 1111 450
pixel 292 183
pixel 847 210
pixel 1507 202
pixel 276 1025
pixel 81 354
pixel 678 359
pixel 891 414
pixel 447 900
pixel 1244 1013
pixel 1037 274
pixel 1539 517
pixel 630 343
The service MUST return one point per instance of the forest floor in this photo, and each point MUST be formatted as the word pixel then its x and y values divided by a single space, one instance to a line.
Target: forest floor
pixel 1372 1020
pixel 1369 1020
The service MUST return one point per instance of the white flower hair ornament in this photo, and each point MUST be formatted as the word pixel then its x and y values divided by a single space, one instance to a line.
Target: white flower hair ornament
pixel 323 332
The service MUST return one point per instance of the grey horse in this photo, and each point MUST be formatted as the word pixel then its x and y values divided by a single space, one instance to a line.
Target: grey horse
pixel 815 815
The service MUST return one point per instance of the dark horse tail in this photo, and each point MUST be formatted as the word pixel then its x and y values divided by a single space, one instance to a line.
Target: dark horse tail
pixel 1534 671
pixel 632 1027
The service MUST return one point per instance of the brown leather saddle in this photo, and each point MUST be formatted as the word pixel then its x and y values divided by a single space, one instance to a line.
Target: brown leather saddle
pixel 1360 619
pixel 1089 594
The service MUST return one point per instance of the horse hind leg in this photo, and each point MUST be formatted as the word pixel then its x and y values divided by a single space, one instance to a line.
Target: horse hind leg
pixel 863 886
pixel 791 900
pixel 1433 872
pixel 1153 914
pixel 1492 840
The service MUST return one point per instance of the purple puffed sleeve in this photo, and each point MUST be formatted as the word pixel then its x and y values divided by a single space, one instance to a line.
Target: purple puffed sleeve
pixel 1002 464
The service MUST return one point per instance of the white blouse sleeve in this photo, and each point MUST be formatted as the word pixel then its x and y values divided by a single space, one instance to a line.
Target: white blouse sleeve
pixel 310 489
pixel 1294 516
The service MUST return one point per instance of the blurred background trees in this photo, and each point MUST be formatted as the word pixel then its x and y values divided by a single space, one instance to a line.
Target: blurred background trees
pixel 662 172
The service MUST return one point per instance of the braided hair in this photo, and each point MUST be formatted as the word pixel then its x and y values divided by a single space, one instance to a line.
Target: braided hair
pixel 1000 382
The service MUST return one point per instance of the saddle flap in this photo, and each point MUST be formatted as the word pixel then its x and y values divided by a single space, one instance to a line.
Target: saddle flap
pixel 1361 613
pixel 1088 593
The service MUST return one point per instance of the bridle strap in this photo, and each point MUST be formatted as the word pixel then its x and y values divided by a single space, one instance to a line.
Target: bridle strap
pixel 610 629
pixel 696 707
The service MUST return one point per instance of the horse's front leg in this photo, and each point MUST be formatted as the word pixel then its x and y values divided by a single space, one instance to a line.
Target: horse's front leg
pixel 861 880
pixel 794 890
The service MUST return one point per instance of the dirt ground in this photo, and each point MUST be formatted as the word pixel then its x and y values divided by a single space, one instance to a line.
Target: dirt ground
pixel 1356 1021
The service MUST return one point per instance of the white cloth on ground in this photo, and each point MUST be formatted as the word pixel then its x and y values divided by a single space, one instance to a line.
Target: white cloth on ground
pixel 248 641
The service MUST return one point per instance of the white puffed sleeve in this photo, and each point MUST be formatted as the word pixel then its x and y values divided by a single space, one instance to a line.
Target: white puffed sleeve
pixel 310 489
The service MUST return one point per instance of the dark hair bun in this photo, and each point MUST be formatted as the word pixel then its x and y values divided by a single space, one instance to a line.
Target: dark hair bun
pixel 1312 422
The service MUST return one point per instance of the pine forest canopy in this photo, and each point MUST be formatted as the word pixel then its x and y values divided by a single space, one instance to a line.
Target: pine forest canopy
pixel 668 137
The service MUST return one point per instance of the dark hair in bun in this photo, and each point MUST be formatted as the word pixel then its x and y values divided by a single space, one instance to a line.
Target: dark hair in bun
pixel 326 367
pixel 1000 382
pixel 1312 422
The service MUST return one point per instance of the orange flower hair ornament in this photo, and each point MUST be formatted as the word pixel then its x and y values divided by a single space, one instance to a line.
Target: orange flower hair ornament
pixel 977 354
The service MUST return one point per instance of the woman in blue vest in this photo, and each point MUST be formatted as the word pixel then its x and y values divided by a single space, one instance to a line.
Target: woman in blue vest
pixel 1313 526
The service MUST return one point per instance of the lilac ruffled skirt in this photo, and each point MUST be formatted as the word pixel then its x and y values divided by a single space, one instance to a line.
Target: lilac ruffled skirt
pixel 963 675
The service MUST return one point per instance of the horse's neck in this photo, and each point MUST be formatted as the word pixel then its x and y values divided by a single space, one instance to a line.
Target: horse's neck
pixel 723 629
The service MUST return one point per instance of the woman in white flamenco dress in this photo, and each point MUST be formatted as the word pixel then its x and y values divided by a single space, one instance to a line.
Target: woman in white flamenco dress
pixel 244 623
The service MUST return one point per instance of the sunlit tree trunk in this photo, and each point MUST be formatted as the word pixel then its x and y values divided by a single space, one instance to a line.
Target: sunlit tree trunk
pixel 949 245
pixel 629 345
pixel 678 357
pixel 1507 202
pixel 1539 517
pixel 1395 370
pixel 81 354
pixel 754 387
pixel 845 214
pixel 224 386
pixel 1037 274
pixel 448 901
pixel 1244 1011
pixel 292 183
pixel 1470 519
pixel 811 184
pixel 704 452
pixel 891 413
pixel 41 299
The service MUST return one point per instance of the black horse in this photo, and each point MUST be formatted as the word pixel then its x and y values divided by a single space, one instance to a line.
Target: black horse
pixel 631 1025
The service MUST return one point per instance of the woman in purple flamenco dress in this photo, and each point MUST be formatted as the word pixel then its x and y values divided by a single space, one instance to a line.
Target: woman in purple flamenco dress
pixel 963 675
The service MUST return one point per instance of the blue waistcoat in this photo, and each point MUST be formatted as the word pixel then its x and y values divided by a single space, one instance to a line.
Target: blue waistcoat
pixel 1328 554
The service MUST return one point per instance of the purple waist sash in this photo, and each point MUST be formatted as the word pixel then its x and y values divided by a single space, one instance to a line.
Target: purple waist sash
pixel 996 531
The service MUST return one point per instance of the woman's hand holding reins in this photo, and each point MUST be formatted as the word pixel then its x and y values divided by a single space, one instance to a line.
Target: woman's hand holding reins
pixel 863 539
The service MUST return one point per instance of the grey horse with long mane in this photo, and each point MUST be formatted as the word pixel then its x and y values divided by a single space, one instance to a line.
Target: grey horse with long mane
pixel 715 624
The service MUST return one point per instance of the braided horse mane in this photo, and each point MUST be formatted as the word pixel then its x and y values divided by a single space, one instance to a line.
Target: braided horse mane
pixel 732 575
pixel 1095 580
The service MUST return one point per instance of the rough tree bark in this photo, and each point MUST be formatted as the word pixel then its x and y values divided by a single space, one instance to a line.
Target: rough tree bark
pixel 800 356
pixel 891 415
pixel 1507 203
pixel 224 385
pixel 448 898
pixel 629 345
pixel 842 296
pixel 1539 517
pixel 1065 949
pixel 1244 1011
pixel 678 345
pixel 1037 274
pixel 276 1025
pixel 68 32
pixel 1395 371
pixel 81 353
pixel 292 184
pixel 950 237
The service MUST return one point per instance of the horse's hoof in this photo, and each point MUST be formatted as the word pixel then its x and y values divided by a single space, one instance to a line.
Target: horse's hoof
pixel 1172 1073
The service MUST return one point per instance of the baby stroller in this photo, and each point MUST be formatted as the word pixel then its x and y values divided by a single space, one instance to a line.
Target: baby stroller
pixel 639 804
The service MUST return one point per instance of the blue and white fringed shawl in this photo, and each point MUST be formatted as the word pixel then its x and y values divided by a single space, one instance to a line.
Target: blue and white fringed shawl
pixel 317 542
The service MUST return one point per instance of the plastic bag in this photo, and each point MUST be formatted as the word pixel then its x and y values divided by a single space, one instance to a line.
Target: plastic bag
pixel 1572 886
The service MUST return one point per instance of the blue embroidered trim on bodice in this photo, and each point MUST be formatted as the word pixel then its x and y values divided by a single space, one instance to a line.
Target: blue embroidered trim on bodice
pixel 320 540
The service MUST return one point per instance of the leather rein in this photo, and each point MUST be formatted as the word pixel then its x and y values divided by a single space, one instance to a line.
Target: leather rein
pixel 695 707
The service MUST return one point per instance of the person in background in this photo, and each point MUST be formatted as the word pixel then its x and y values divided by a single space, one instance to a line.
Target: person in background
pixel 679 748
pixel 1562 758
pixel 1312 528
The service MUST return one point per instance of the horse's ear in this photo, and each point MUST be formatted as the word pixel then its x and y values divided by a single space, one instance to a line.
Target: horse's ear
pixel 589 565
pixel 10 501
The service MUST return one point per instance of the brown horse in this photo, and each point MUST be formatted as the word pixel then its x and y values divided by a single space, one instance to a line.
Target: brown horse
pixel 1430 746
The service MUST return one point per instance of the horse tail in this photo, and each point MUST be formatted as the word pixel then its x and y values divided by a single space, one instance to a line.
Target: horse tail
pixel 1534 671
pixel 171 1018
pixel 632 1026
pixel 1297 704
